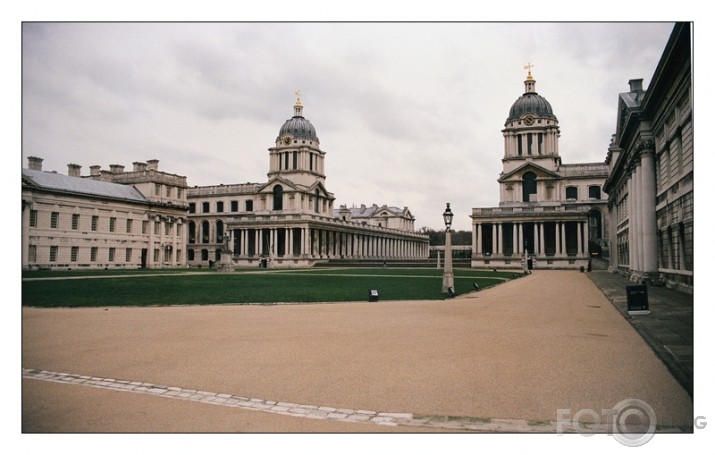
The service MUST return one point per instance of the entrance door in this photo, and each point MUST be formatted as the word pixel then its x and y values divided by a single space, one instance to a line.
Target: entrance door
pixel 143 258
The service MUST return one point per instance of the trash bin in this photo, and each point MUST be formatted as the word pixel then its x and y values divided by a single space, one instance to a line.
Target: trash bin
pixel 637 298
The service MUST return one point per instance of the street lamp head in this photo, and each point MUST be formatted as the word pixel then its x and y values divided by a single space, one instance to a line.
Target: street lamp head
pixel 448 215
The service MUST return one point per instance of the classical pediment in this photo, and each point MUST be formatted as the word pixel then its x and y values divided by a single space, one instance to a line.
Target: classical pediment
pixel 518 173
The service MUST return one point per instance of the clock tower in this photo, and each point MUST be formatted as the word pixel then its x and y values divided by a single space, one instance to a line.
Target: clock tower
pixel 297 155
pixel 531 132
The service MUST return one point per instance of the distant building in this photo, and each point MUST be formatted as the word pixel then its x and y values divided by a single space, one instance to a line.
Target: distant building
pixel 290 221
pixel 108 219
pixel 650 183
pixel 550 214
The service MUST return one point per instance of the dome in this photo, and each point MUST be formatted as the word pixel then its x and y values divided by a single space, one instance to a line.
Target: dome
pixel 299 127
pixel 530 103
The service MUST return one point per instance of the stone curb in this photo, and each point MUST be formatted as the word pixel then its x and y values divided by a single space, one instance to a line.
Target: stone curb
pixel 451 423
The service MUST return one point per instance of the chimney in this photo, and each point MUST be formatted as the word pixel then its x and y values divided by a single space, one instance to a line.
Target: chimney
pixel 73 170
pixel 34 163
pixel 636 85
pixel 105 176
pixel 139 166
pixel 116 168
pixel 152 165
pixel 94 170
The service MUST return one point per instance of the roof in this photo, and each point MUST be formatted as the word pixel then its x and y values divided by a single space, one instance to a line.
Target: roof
pixel 368 212
pixel 84 186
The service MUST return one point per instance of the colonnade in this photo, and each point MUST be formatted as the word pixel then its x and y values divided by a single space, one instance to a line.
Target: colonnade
pixel 322 243
pixel 540 238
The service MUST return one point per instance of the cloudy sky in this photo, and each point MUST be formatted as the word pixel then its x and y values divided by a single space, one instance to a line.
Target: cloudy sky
pixel 410 114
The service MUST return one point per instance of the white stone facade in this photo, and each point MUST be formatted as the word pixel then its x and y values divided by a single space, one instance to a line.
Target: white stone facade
pixel 550 214
pixel 290 220
pixel 651 162
pixel 100 220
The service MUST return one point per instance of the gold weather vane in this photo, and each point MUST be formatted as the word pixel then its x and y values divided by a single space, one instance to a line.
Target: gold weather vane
pixel 297 101
pixel 528 67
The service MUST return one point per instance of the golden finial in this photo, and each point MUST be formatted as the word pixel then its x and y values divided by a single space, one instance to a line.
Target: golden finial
pixel 528 67
pixel 297 101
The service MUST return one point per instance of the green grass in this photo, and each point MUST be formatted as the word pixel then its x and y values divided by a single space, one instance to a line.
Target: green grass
pixel 144 288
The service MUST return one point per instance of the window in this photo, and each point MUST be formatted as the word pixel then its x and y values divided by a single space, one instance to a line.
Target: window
pixel 33 218
pixel 529 186
pixel 205 232
pixel 111 254
pixel 53 253
pixel 73 253
pixel 190 255
pixel 32 253
pixel 129 225
pixel 204 255
pixel 594 192
pixel 95 220
pixel 277 197
pixel 192 232
pixel 145 226
pixel 178 230
pixel 128 255
pixel 571 192
pixel 75 221
pixel 249 206
pixel 205 207
pixel 234 206
pixel 168 191
pixel 167 228
pixel 156 255
pixel 219 206
pixel 93 254
pixel 157 226
pixel 157 189
pixel 316 202
pixel 54 219
pixel 112 224
pixel 192 207
pixel 219 231
pixel 179 193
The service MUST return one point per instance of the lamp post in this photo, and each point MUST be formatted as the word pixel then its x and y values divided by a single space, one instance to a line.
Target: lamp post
pixel 448 276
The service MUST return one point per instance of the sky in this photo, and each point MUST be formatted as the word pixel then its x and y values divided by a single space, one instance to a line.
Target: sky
pixel 409 114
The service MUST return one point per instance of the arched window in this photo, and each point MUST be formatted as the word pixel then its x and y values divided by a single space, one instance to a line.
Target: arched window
pixel 192 232
pixel 529 186
pixel 205 232
pixel 277 197
pixel 219 231
pixel 594 224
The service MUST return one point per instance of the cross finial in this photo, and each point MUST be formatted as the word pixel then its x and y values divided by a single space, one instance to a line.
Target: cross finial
pixel 528 68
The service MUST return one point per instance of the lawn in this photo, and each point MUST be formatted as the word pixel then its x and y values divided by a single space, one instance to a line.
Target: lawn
pixel 101 288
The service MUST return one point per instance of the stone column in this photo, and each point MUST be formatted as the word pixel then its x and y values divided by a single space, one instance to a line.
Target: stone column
pixel 637 213
pixel 647 207
pixel 515 239
pixel 579 248
pixel 542 250
pixel 564 250
pixel 494 239
pixel 500 234
pixel 477 239
pixel 535 247
pixel 520 239
pixel 557 228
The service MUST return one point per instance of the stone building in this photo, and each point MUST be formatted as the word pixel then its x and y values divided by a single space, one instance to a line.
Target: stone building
pixel 290 221
pixel 108 219
pixel 550 214
pixel 650 183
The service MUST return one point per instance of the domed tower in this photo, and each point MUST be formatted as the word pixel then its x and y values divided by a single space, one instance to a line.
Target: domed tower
pixel 297 155
pixel 531 132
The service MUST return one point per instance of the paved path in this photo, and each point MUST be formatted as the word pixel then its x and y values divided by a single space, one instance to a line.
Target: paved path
pixel 668 329
pixel 512 354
